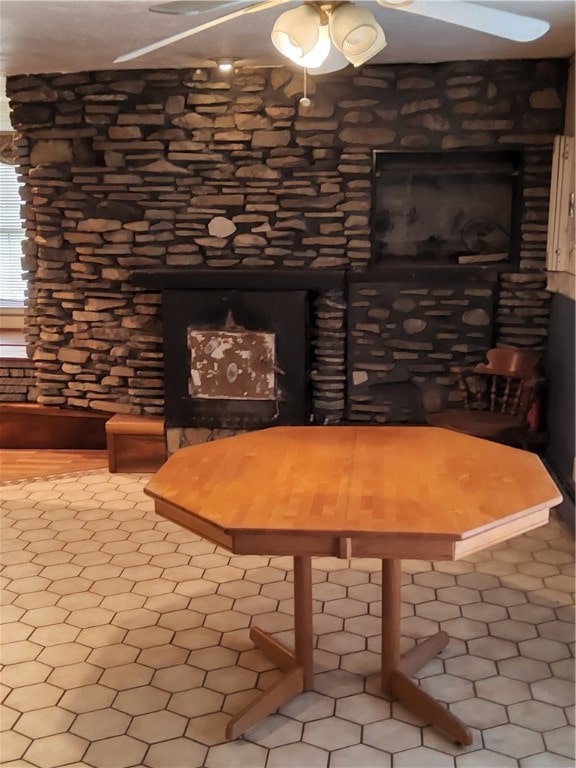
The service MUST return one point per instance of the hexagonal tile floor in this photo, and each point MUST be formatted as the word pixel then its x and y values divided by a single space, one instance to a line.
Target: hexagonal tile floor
pixel 125 643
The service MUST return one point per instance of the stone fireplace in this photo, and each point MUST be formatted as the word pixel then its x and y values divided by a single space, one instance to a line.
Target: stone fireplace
pixel 141 185
pixel 290 317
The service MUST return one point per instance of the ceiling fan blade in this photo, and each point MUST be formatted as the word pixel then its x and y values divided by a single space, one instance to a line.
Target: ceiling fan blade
pixel 492 21
pixel 195 7
pixel 195 30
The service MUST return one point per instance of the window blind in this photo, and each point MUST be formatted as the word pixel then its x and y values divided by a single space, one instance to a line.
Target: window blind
pixel 12 282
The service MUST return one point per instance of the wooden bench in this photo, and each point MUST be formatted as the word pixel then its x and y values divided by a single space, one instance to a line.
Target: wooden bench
pixel 135 443
pixel 29 425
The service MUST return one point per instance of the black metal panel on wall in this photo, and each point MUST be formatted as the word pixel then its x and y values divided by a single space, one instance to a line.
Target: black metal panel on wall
pixel 456 207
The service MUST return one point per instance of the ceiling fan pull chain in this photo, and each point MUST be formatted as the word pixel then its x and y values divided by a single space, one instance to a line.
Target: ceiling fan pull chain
pixel 305 101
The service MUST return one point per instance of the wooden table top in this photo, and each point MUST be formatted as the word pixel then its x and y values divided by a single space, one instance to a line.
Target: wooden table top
pixel 355 491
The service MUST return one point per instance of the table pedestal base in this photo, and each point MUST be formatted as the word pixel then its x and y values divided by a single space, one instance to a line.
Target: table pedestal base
pixel 289 685
pixel 297 666
pixel 396 668
pixel 298 670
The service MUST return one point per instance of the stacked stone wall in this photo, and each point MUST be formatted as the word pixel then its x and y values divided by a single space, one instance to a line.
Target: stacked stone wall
pixel 17 381
pixel 124 170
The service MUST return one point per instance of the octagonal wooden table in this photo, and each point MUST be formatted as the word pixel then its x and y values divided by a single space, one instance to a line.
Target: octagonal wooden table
pixel 366 491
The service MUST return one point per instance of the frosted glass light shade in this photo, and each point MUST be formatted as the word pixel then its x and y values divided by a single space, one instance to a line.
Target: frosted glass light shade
pixel 318 55
pixel 394 3
pixel 355 32
pixel 379 43
pixel 335 61
pixel 296 32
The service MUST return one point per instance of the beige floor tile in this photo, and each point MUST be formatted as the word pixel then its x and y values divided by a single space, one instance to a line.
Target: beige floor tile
pixel 101 724
pixel 55 751
pixel 126 676
pixel 136 618
pixel 309 706
pixel 142 700
pixel 537 715
pixel 175 753
pixel 418 627
pixel 437 611
pixel 458 595
pixel 511 629
pixel 226 621
pixel 546 760
pixel 64 653
pixel 362 663
pixel 208 729
pixel 181 619
pixel 8 717
pixel 542 649
pixel 296 756
pixel 434 579
pixel 196 702
pixel 14 745
pixel 485 758
pixel 503 690
pixel 19 651
pixel 150 623
pixel 362 708
pixel 157 726
pixel 331 733
pixel 392 736
pixel 112 655
pixel 33 697
pixel 44 722
pixel 561 741
pixel 276 731
pixel 230 679
pixel 87 698
pixel 447 688
pixel 422 757
pixel 554 691
pixel 465 628
pixel 513 740
pixel 180 677
pixel 492 648
pixel 124 601
pixel 75 675
pixel 119 750
pixel 341 642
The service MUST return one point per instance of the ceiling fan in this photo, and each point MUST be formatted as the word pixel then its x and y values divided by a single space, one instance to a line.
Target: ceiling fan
pixel 326 35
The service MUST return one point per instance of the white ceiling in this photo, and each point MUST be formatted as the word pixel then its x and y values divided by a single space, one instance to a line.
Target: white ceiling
pixel 81 35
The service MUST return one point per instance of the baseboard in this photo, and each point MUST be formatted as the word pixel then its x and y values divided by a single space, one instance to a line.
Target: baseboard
pixel 29 425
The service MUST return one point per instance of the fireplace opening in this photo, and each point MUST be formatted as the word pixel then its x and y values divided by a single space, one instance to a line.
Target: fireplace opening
pixel 235 359
pixel 446 208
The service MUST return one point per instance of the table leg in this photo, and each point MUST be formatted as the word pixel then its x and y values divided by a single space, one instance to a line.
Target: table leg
pixel 303 630
pixel 396 668
pixel 297 666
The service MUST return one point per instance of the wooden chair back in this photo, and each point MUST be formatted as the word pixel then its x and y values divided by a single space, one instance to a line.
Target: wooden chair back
pixel 505 384
pixel 497 397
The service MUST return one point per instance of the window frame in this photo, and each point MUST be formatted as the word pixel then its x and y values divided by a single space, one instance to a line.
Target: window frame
pixel 12 314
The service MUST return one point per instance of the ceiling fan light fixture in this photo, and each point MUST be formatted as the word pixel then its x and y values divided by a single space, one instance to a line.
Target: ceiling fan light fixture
pixel 296 32
pixel 318 55
pixel 334 62
pixel 354 31
pixel 394 3
pixel 357 59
